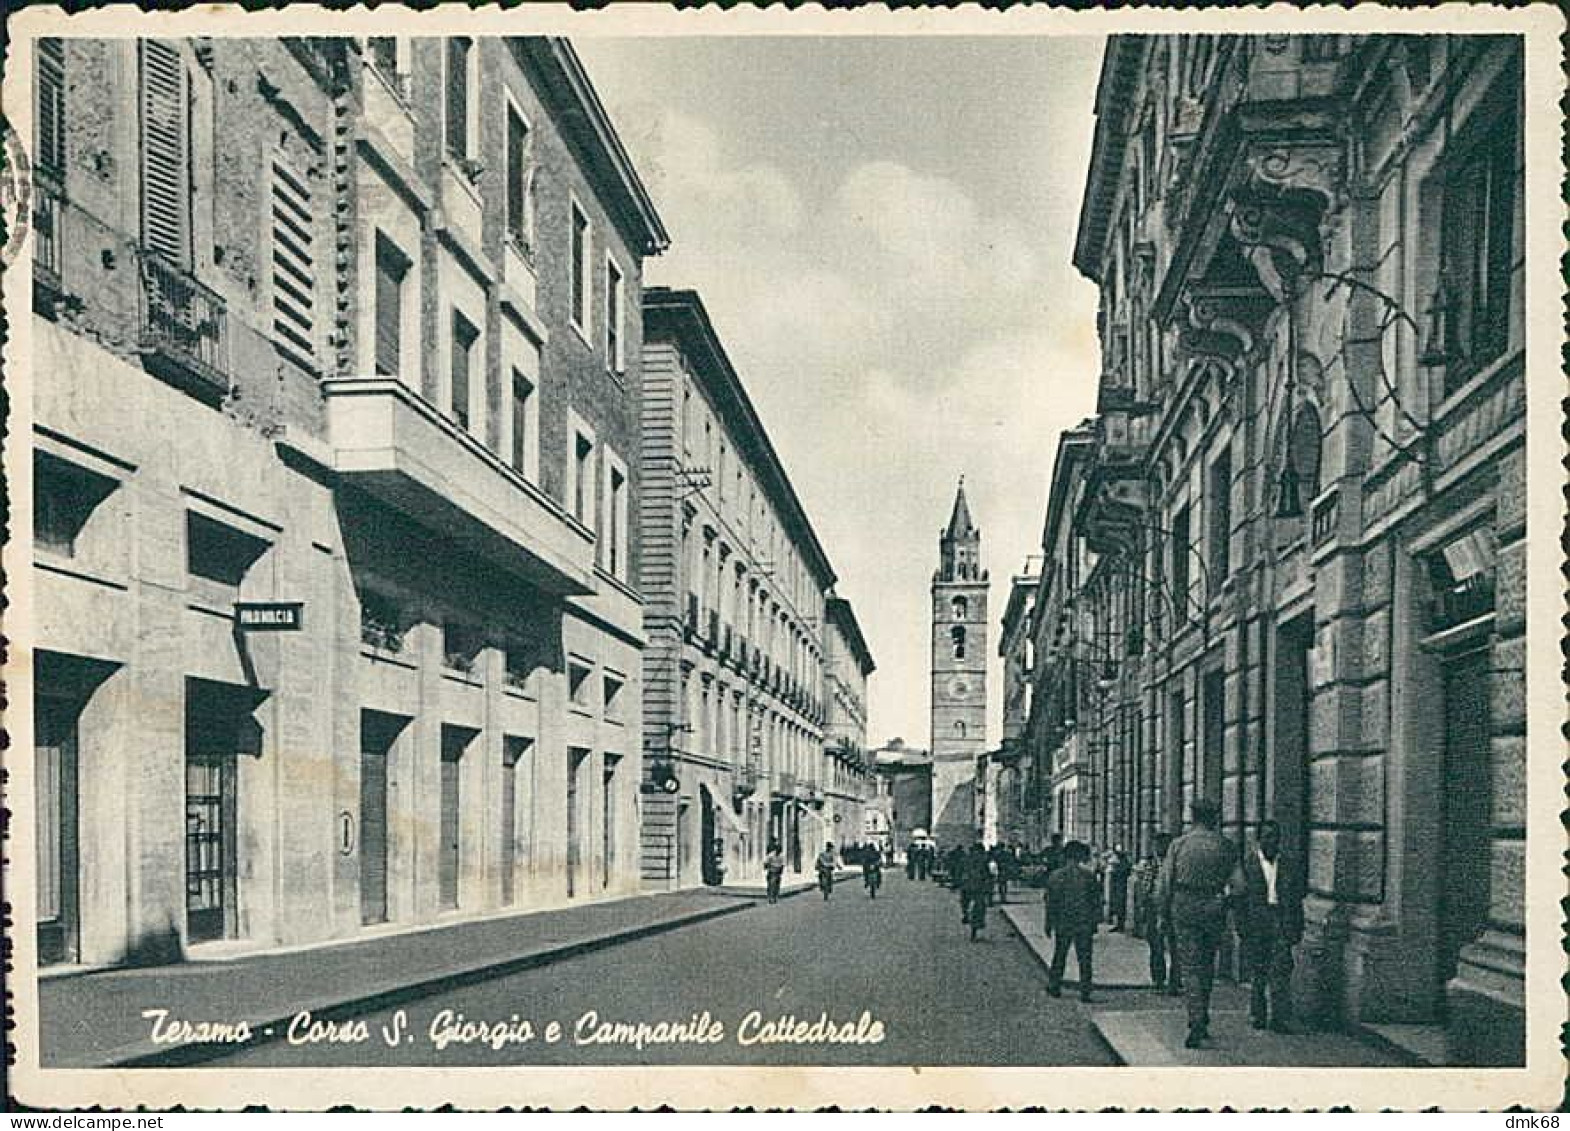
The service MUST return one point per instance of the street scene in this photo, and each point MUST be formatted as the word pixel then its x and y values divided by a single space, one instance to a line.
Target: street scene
pixel 618 552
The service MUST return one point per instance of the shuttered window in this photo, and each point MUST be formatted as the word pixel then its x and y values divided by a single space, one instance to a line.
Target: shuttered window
pixel 517 152
pixel 51 106
pixel 294 262
pixel 463 338
pixel 458 49
pixel 391 267
pixel 165 152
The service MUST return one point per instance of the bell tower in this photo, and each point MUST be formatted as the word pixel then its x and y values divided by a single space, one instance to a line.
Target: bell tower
pixel 959 676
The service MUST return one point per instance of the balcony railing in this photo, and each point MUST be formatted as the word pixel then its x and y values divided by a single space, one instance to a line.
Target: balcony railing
pixel 184 327
pixel 48 229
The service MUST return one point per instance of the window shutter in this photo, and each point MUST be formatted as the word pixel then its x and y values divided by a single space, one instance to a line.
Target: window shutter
pixel 294 266
pixel 458 96
pixel 166 195
pixel 389 313
pixel 51 106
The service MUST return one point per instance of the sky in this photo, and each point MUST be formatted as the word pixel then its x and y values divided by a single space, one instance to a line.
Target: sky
pixel 881 230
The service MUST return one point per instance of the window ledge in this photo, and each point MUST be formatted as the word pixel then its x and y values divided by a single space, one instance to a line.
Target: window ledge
pixel 383 656
pixel 52 562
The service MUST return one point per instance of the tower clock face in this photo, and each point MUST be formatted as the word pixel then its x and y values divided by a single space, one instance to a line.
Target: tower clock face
pixel 958 688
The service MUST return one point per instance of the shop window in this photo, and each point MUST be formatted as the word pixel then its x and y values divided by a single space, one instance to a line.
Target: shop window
pixel 64 498
pixel 218 552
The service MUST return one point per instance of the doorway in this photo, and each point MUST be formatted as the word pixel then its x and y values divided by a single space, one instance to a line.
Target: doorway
pixel 575 761
pixel 1287 779
pixel 709 855
pixel 455 740
pixel 377 735
pixel 219 730
pixel 55 774
pixel 1464 809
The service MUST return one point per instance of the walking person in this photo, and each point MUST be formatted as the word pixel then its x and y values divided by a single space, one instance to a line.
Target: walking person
pixel 1072 902
pixel 1268 909
pixel 1148 922
pixel 975 882
pixel 1117 879
pixel 1200 862
pixel 825 865
pixel 773 870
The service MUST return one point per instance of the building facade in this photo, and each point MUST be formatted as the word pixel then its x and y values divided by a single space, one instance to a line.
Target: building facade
pixel 1013 801
pixel 735 583
pixel 846 770
pixel 362 650
pixel 959 679
pixel 900 804
pixel 1301 581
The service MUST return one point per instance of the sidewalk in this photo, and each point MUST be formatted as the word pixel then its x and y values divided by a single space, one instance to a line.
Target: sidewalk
pixel 1122 961
pixel 1147 1029
pixel 95 1019
pixel 788 888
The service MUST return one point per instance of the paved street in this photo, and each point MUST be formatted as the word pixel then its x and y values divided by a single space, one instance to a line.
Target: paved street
pixel 904 958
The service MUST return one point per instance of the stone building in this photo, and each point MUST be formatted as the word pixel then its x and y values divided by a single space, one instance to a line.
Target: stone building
pixel 735 582
pixel 847 764
pixel 900 802
pixel 959 679
pixel 362 649
pixel 1302 581
pixel 1013 761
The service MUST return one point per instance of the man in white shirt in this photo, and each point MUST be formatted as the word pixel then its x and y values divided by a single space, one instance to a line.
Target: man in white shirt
pixel 1268 905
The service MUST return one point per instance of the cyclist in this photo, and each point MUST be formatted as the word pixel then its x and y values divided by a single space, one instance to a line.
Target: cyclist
pixel 825 866
pixel 872 870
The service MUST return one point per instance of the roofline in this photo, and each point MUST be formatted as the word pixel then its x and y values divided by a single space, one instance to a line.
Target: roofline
pixel 1120 70
pixel 1020 586
pixel 1072 445
pixel 841 613
pixel 691 329
pixel 636 207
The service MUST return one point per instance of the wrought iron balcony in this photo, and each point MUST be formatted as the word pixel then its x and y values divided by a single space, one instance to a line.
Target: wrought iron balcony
pixel 48 243
pixel 184 334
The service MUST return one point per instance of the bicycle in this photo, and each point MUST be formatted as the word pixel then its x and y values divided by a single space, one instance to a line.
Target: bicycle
pixel 873 878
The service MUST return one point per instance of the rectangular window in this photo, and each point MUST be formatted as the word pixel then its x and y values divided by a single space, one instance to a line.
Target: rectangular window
pixel 165 152
pixel 64 498
pixel 464 335
pixel 392 266
pixel 614 300
pixel 459 96
pixel 294 262
pixel 612 687
pixel 217 552
pixel 522 423
pixel 578 688
pixel 518 143
pixel 1478 227
pixel 1181 549
pixel 50 142
pixel 616 521
pixel 1220 564
pixel 583 479
pixel 580 269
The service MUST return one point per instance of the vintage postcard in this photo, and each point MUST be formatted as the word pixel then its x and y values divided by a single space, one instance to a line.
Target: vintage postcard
pixel 694 557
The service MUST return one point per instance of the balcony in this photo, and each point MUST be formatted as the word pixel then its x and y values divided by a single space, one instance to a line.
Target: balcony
pixel 183 329
pixel 522 284
pixel 48 245
pixel 711 639
pixel 690 624
pixel 389 441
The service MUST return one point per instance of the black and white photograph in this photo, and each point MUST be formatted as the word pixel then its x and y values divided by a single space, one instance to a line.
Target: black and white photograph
pixel 764 542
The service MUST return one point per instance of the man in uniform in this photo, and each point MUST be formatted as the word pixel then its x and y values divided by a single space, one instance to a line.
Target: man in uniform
pixel 1199 863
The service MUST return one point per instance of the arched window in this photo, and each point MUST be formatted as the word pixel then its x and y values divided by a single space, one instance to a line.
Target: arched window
pixel 959 728
pixel 957 635
pixel 961 608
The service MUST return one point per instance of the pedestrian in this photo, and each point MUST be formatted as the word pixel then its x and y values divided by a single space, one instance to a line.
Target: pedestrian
pixel 1117 878
pixel 1053 856
pixel 926 854
pixel 825 867
pixel 1071 902
pixel 1147 911
pixel 975 883
pixel 911 852
pixel 1199 864
pixel 773 870
pixel 999 855
pixel 1268 909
